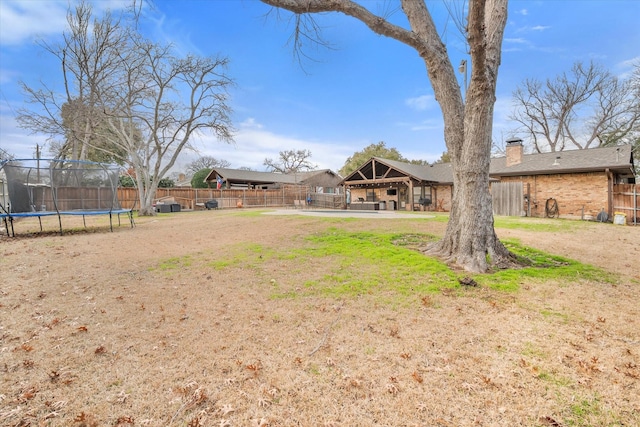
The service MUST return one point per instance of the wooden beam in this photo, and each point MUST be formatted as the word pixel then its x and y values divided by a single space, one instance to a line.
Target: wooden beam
pixel 409 206
pixel 379 181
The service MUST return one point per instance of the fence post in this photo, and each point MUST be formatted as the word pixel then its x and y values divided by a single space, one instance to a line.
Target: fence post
pixel 635 204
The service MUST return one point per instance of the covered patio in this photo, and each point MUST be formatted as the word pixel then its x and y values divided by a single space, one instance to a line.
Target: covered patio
pixel 382 184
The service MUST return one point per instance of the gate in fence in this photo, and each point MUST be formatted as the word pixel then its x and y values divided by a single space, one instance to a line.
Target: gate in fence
pixel 508 198
pixel 626 200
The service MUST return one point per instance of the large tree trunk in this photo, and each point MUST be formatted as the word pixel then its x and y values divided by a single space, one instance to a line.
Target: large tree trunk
pixel 470 240
pixel 146 193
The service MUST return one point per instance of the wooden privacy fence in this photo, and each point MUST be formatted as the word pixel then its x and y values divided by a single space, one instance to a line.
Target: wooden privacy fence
pixel 626 199
pixel 327 201
pixel 195 198
pixel 507 198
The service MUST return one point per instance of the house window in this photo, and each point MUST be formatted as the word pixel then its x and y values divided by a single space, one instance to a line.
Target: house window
pixel 417 194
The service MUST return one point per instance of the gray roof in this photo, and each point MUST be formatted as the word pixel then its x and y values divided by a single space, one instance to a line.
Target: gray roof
pixel 240 175
pixel 438 172
pixel 618 159
pixel 254 177
pixel 415 171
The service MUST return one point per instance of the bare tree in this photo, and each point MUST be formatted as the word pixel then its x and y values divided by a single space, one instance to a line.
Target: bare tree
pixel 162 103
pixel 130 99
pixel 291 161
pixel 635 84
pixel 586 108
pixel 470 240
pixel 207 162
pixel 90 54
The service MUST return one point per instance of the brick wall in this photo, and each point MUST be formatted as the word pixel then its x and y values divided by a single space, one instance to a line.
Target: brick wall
pixel 573 192
pixel 514 152
pixel 442 196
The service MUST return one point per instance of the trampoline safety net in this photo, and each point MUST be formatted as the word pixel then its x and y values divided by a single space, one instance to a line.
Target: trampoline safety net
pixel 41 187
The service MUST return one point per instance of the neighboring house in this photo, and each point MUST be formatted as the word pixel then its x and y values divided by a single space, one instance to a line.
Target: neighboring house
pixel 183 181
pixel 581 182
pixel 320 181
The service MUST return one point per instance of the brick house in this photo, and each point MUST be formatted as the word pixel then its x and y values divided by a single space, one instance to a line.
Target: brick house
pixel 580 182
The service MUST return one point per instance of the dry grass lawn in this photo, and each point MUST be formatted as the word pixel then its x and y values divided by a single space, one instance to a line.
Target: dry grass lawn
pixel 204 319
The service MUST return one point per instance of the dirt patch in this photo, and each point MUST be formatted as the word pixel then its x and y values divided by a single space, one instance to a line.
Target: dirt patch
pixel 150 327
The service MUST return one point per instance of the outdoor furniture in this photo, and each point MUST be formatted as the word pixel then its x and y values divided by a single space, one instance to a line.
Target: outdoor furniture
pixel 162 208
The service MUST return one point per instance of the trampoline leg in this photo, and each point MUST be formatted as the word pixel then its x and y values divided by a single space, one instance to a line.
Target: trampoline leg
pixel 59 222
pixel 9 222
pixel 40 221
pixel 131 219
pixel 111 221
pixel 84 222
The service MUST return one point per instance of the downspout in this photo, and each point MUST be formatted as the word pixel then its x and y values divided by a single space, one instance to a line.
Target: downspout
pixel 609 192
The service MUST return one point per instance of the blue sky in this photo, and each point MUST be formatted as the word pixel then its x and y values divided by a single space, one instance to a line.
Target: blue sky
pixel 363 90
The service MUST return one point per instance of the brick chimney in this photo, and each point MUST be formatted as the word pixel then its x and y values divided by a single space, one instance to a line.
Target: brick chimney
pixel 514 151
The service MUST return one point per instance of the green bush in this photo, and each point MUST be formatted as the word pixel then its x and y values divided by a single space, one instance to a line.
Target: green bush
pixel 198 179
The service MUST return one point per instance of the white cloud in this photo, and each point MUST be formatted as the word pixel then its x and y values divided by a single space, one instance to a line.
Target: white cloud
pixel 250 123
pixel 421 103
pixel 253 143
pixel 22 21
pixel 629 63
pixel 518 40
pixel 530 29
pixel 625 69
pixel 16 141
pixel 172 31
pixel 539 28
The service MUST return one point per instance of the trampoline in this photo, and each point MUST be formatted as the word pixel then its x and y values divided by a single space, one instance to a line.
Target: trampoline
pixel 53 187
